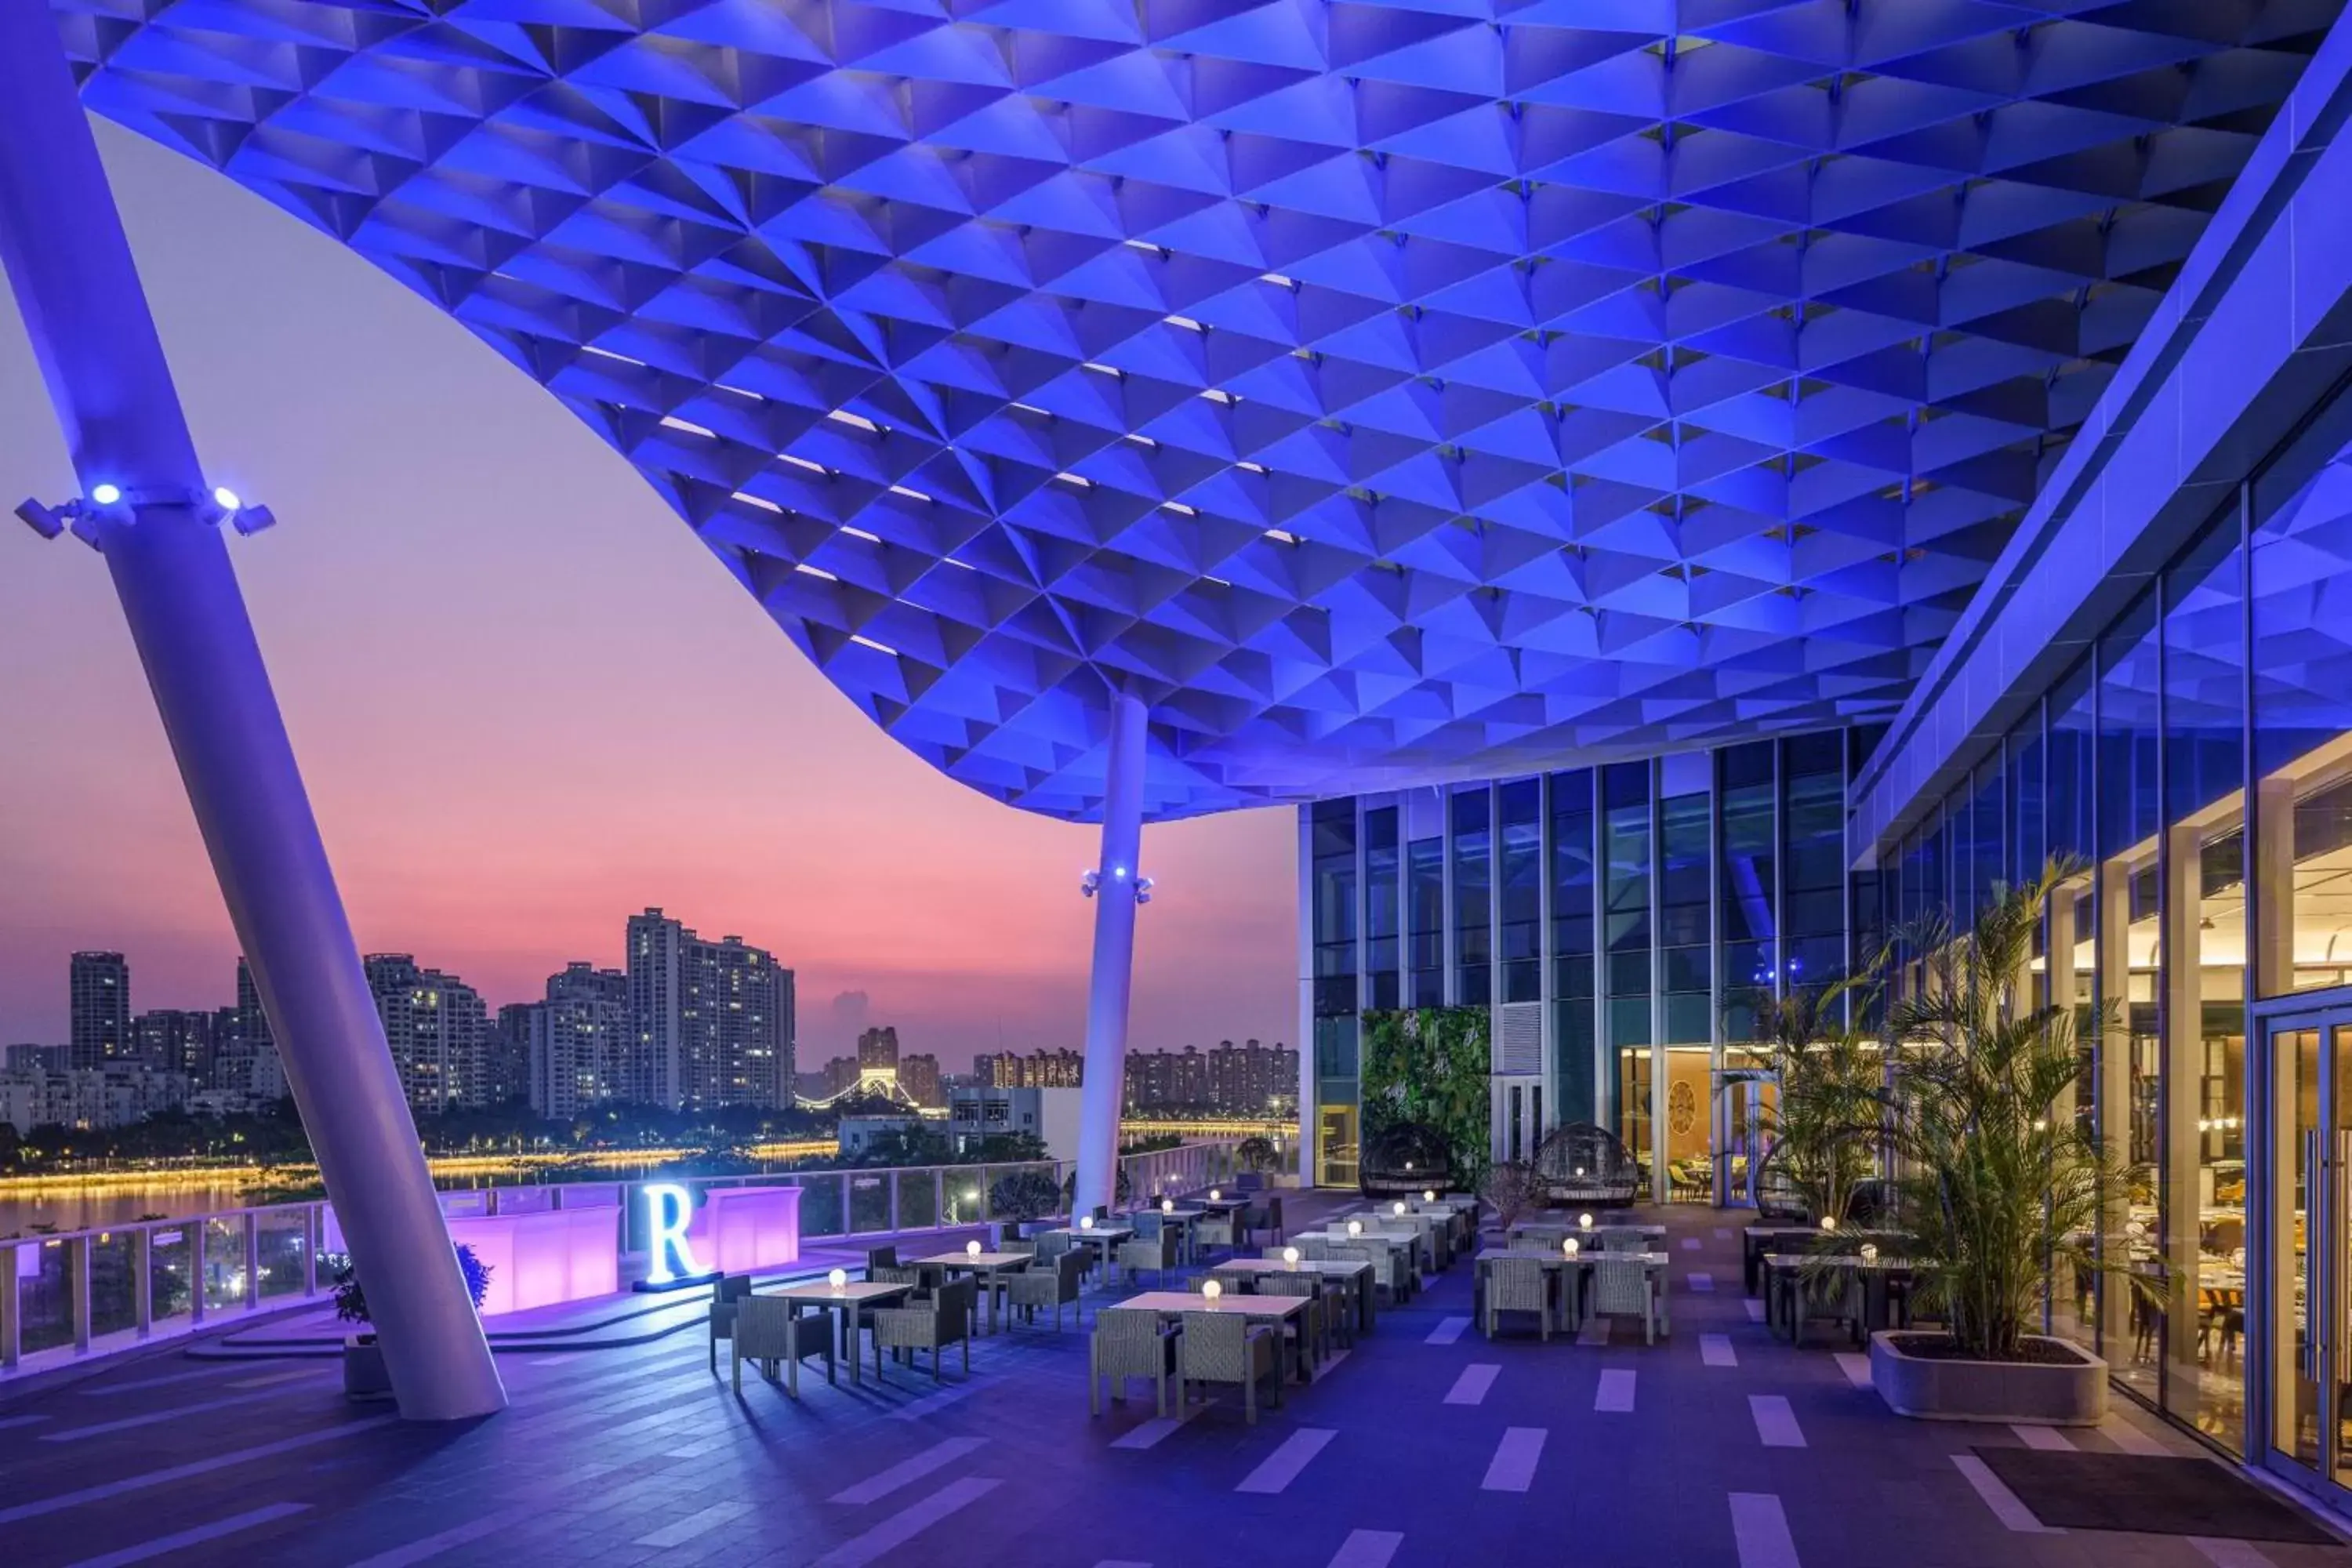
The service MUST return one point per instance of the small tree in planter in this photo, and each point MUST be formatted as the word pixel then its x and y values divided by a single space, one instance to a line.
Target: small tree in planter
pixel 1513 1187
pixel 363 1372
pixel 1255 1154
pixel 2000 1192
pixel 1825 1118
pixel 1024 1194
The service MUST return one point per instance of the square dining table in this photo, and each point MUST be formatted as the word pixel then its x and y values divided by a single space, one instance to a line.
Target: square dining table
pixel 828 1301
pixel 1258 1309
pixel 988 1267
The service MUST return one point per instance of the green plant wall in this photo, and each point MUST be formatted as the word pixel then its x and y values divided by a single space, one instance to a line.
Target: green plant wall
pixel 1429 1064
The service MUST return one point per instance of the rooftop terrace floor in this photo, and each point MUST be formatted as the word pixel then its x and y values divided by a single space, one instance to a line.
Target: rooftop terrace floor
pixel 1735 1449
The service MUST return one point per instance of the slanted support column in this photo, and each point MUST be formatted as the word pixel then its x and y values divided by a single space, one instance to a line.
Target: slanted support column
pixel 1119 885
pixel 70 270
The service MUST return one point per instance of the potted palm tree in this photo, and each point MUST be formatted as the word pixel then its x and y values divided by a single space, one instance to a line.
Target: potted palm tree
pixel 364 1371
pixel 1824 1121
pixel 1999 1190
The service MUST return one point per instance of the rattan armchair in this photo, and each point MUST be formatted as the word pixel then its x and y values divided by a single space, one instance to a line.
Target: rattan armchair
pixel 943 1320
pixel 1310 1331
pixel 1516 1285
pixel 1157 1253
pixel 1129 1343
pixel 1623 1287
pixel 725 1292
pixel 762 1334
pixel 1047 1283
pixel 1225 1347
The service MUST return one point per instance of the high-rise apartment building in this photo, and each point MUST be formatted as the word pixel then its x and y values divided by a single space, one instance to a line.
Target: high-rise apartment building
pixel 1038 1069
pixel 713 1020
pixel 506 1068
pixel 438 1028
pixel 245 1054
pixel 1247 1079
pixel 171 1039
pixel 98 986
pixel 579 1041
pixel 918 1075
pixel 877 1050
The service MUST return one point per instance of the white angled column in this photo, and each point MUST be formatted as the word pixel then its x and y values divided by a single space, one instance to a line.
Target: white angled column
pixel 1118 887
pixel 146 508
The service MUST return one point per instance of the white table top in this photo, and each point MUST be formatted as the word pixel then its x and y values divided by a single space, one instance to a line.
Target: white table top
pixel 1099 1233
pixel 1347 1265
pixel 1555 1257
pixel 855 1293
pixel 1237 1306
pixel 979 1259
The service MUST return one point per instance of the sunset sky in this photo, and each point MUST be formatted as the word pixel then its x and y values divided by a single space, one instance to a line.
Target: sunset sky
pixel 528 702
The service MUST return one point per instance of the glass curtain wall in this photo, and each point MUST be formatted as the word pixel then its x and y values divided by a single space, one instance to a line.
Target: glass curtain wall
pixel 1474 894
pixel 1519 897
pixel 1425 912
pixel 1331 844
pixel 1383 907
pixel 1687 973
pixel 1574 1022
pixel 1625 894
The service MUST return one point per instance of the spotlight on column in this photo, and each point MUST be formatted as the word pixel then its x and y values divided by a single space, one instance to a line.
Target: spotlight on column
pixel 226 499
pixel 1143 889
pixel 251 519
pixel 1089 883
pixel 106 494
pixel 40 518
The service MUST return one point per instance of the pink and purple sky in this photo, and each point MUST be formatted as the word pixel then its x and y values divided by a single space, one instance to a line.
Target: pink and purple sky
pixel 528 703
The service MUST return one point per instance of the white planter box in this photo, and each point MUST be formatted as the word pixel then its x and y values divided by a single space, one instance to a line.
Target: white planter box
pixel 2069 1393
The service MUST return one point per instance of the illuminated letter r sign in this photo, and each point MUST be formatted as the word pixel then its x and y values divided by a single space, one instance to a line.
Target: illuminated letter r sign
pixel 668 1206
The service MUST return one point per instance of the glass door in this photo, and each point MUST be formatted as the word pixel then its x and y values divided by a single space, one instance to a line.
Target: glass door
pixel 2309 1056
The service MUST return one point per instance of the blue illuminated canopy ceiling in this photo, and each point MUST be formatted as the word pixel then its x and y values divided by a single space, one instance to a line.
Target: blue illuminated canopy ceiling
pixel 1388 391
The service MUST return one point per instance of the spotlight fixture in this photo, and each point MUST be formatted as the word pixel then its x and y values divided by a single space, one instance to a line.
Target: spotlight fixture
pixel 226 499
pixel 105 494
pixel 1143 889
pixel 40 518
pixel 1088 882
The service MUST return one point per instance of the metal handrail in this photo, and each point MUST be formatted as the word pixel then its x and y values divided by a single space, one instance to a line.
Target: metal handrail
pixel 1186 1168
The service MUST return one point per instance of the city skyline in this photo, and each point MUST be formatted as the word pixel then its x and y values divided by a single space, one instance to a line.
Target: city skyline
pixel 489 682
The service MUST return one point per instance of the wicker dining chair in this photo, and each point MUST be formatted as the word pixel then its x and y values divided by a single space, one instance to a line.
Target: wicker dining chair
pixel 1225 1347
pixel 1622 1287
pixel 1130 1343
pixel 944 1320
pixel 1620 1239
pixel 1517 1285
pixel 1216 1230
pixel 1311 1330
pixel 879 1258
pixel 1048 1284
pixel 1157 1253
pixel 760 1335
pixel 1314 1248
pixel 725 1293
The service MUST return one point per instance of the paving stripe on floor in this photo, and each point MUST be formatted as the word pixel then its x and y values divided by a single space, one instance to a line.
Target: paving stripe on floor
pixel 1367 1549
pixel 931 1402
pixel 155 1418
pixel 271 1380
pixel 701 1521
pixel 1776 1424
pixel 1471 1388
pixel 1714 1350
pixel 1722 1233
pixel 2047 1437
pixel 456 1536
pixel 1121 1562
pixel 904 1525
pixel 105 1489
pixel 1760 1529
pixel 2131 1438
pixel 1690 1244
pixel 1856 1367
pixel 2003 1502
pixel 21 1421
pixel 1616 1393
pixel 1147 1434
pixel 1448 1330
pixel 163 1382
pixel 197 1536
pixel 1755 1310
pixel 1281 1468
pixel 1702 1282
pixel 1513 1467
pixel 1595 1332
pixel 906 1472
pixel 2229 1553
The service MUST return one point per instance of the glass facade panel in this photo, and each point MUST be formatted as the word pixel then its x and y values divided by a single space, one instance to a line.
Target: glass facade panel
pixel 1749 876
pixel 2203 1008
pixel 1332 837
pixel 1572 925
pixel 1519 914
pixel 1812 876
pixel 1425 908
pixel 1383 910
pixel 1625 892
pixel 1474 895
pixel 2129 964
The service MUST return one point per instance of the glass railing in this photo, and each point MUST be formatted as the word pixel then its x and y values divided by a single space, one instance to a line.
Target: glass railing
pixel 91 1293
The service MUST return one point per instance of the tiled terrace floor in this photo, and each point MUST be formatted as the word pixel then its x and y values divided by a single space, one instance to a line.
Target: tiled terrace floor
pixel 1733 1449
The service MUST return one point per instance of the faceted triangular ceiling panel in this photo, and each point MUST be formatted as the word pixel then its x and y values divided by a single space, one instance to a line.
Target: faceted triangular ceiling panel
pixel 1388 391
